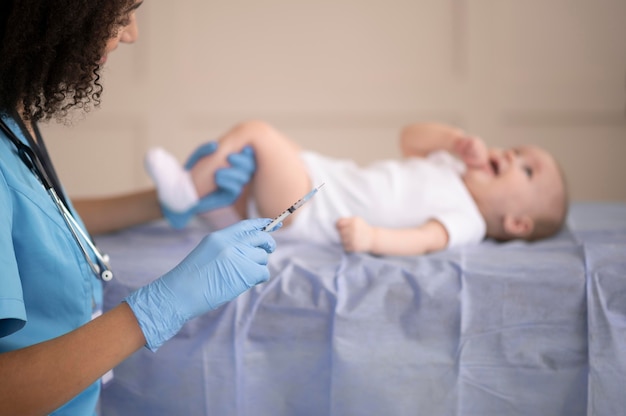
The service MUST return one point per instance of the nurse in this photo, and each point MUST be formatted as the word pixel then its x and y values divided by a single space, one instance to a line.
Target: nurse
pixel 55 343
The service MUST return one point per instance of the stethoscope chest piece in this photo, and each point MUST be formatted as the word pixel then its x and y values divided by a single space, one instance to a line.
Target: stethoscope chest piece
pixel 107 275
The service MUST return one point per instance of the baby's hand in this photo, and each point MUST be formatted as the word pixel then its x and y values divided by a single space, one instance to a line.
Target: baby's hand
pixel 356 235
pixel 473 151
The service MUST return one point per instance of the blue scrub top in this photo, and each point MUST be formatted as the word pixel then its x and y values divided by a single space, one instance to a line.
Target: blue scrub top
pixel 46 286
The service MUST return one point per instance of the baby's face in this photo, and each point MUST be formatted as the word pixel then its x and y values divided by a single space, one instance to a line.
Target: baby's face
pixel 518 180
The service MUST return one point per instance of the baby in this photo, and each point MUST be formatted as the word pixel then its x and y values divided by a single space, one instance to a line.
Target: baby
pixel 449 190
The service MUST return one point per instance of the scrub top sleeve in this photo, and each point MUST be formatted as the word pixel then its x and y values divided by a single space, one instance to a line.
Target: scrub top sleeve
pixel 12 310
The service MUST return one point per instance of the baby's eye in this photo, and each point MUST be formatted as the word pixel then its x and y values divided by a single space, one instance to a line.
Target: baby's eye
pixel 529 171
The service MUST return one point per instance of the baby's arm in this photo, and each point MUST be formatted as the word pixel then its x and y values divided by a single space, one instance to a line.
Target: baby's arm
pixel 421 139
pixel 358 236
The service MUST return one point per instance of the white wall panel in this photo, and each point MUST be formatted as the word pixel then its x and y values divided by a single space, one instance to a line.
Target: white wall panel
pixel 343 76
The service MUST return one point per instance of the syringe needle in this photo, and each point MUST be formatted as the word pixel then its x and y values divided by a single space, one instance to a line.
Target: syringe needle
pixel 291 209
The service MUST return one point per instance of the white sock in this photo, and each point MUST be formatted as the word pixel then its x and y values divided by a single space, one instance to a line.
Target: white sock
pixel 174 185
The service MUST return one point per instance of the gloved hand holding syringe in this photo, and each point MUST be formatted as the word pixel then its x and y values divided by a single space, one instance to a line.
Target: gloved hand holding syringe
pixel 223 265
pixel 270 227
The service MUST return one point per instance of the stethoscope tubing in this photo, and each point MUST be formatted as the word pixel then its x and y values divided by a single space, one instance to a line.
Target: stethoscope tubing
pixel 73 226
pixel 31 160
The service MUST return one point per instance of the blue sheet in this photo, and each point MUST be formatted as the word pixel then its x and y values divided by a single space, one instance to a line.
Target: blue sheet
pixel 497 329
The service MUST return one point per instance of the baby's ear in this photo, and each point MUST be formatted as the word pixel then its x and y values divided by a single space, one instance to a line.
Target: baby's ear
pixel 518 226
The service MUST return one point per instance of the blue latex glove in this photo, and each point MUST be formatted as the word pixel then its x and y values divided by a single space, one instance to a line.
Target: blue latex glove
pixel 225 264
pixel 230 181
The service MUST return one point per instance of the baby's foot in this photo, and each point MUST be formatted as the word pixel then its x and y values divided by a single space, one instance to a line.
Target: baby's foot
pixel 174 185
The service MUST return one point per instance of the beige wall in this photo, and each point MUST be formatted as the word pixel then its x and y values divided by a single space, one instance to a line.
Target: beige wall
pixel 342 76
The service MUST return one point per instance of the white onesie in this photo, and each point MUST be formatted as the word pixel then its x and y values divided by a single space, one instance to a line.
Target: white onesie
pixel 393 194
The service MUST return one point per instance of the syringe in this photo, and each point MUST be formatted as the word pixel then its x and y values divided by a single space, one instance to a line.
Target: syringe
pixel 291 209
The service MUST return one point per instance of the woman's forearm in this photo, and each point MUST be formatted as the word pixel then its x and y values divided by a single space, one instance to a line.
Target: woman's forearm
pixel 40 378
pixel 109 214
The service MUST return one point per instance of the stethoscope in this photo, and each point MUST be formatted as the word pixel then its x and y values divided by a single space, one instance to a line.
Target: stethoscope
pixel 38 162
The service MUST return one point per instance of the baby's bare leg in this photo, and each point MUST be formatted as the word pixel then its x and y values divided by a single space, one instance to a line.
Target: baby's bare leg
pixel 281 177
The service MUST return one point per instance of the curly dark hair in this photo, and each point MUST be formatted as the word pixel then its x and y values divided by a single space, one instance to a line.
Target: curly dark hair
pixel 49 53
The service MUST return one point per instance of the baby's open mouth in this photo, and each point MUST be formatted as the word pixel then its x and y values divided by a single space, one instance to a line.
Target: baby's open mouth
pixel 495 167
